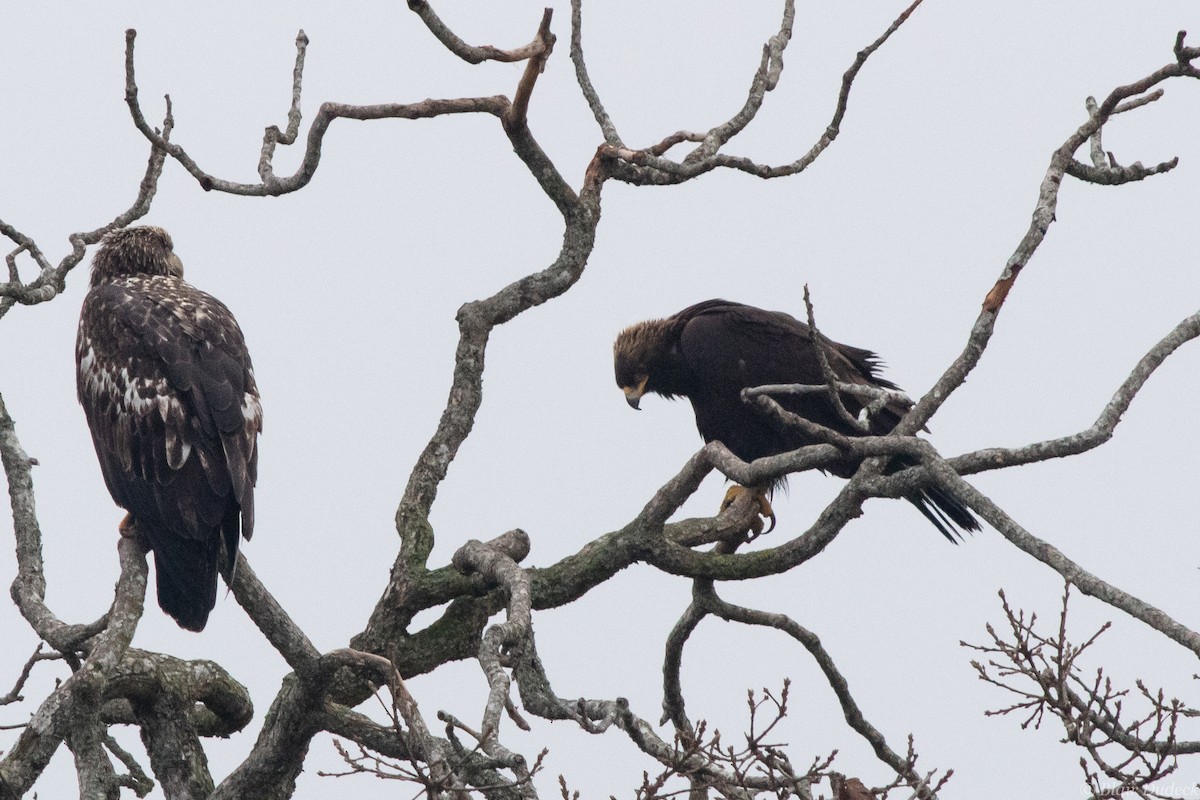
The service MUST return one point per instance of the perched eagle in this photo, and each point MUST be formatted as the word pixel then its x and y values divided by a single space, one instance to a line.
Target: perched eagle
pixel 165 380
pixel 713 350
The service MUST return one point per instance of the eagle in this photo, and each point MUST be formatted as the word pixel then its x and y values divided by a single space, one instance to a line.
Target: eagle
pixel 166 384
pixel 713 350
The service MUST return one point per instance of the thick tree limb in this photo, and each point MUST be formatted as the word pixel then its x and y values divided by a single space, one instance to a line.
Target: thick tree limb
pixel 175 703
pixel 72 711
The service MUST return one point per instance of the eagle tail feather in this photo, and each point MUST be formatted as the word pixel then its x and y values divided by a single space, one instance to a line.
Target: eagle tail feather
pixel 186 577
pixel 231 532
pixel 946 513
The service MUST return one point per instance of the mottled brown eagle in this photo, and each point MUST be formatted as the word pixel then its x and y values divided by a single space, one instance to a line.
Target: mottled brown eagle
pixel 713 350
pixel 166 383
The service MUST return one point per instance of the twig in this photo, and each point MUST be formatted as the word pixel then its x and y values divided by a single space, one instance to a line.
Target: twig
pixel 659 170
pixel 854 716
pixel 14 694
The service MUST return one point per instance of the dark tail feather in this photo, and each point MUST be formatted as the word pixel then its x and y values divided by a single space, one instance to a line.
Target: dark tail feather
pixel 946 513
pixel 186 574
pixel 941 508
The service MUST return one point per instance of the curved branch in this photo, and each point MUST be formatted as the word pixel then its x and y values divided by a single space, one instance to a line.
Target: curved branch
pixel 708 599
pixel 51 280
pixel 517 115
pixel 271 186
pixel 1101 430
pixel 1115 175
pixel 499 570
pixel 649 167
pixel 475 321
pixel 28 588
pixel 673 702
pixel 470 53
pixel 216 704
pixel 273 136
pixel 766 78
pixel 515 634
pixel 72 711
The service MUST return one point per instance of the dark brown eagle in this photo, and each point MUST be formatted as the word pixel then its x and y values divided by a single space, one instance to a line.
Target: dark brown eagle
pixel 166 383
pixel 713 350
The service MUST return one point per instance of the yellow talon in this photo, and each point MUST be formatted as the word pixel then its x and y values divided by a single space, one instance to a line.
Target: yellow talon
pixel 764 507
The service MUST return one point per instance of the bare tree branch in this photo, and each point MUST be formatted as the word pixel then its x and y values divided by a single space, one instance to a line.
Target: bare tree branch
pixel 175 703
pixel 903 767
pixel 1043 216
pixel 477 55
pixel 14 694
pixel 584 80
pixel 51 280
pixel 706 157
pixel 273 136
pixel 1044 672
pixel 28 589
pixel 72 711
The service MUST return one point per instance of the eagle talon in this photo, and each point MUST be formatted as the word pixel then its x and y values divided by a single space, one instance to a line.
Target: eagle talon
pixel 764 509
pixel 128 529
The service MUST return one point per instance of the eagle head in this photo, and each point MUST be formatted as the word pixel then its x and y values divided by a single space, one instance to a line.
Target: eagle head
pixel 636 349
pixel 143 250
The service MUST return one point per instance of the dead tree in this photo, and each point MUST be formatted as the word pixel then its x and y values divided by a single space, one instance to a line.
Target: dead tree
pixel 176 703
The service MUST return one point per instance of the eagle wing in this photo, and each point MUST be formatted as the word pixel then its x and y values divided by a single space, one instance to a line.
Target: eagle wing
pixel 168 389
pixel 728 347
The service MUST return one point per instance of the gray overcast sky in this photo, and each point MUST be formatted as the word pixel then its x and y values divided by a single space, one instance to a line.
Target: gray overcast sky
pixel 347 291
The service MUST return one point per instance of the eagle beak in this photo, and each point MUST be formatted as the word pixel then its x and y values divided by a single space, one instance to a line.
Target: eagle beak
pixel 633 394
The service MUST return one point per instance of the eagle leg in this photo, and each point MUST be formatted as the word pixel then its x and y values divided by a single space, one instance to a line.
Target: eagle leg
pixel 128 528
pixel 764 508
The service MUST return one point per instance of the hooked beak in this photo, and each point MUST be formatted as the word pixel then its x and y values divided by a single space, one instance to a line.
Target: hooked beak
pixel 633 394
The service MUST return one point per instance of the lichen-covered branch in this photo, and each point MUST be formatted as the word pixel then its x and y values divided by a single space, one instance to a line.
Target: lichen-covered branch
pixel 272 620
pixel 607 128
pixel 72 711
pixel 273 136
pixel 1101 430
pixel 176 703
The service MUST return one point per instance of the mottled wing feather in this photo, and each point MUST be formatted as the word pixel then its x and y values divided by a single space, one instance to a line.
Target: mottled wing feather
pixel 169 393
